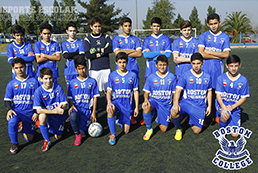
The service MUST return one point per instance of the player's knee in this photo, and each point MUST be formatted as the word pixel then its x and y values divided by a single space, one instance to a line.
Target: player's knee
pixel 146 109
pixel 58 137
pixel 28 137
pixel 126 131
pixel 42 119
pixel 196 130
pixel 235 135
pixel 224 119
pixel 174 116
pixel 73 116
pixel 163 128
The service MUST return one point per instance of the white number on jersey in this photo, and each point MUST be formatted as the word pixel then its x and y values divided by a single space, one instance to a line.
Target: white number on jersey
pixel 198 81
pixel 123 80
pixel 61 128
pixel 157 43
pixel 52 95
pixel 23 85
pixel 201 121
pixel 215 39
pixel 162 81
pixel 231 85
pixel 83 85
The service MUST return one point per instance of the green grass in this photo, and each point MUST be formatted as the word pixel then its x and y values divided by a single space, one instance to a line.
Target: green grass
pixel 162 153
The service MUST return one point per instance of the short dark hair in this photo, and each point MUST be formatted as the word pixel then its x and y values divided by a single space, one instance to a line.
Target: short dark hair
pixel 232 59
pixel 213 16
pixel 45 71
pixel 95 20
pixel 18 29
pixel 80 61
pixel 18 60
pixel 162 58
pixel 185 24
pixel 124 20
pixel 45 26
pixel 71 24
pixel 196 56
pixel 156 20
pixel 122 55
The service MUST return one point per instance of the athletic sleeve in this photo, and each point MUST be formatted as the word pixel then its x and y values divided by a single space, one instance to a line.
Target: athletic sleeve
pixel 196 45
pixel 147 87
pixel 57 48
pixel 37 99
pixel 109 48
pixel 64 49
pixel 150 55
pixel 226 45
pixel 81 48
pixel 168 45
pixel 95 89
pixel 174 80
pixel 37 48
pixel 10 54
pixel 62 97
pixel 8 93
pixel 30 49
pixel 109 85
pixel 219 85
pixel 137 43
pixel 176 46
pixel 245 90
pixel 136 83
pixel 115 43
pixel 181 82
pixel 202 40
pixel 210 84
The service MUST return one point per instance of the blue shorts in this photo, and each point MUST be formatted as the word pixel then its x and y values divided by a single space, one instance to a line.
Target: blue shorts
pixel 214 68
pixel 195 112
pixel 56 123
pixel 163 112
pixel 68 78
pixel 125 113
pixel 28 126
pixel 234 119
pixel 83 118
pixel 181 68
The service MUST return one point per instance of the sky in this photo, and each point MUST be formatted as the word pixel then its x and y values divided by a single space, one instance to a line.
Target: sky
pixel 184 7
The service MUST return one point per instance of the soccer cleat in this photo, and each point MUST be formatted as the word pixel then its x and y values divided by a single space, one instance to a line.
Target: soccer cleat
pixel 178 135
pixel 46 145
pixel 37 124
pixel 14 148
pixel 112 139
pixel 67 120
pixel 133 120
pixel 217 120
pixel 142 122
pixel 20 127
pixel 78 140
pixel 148 134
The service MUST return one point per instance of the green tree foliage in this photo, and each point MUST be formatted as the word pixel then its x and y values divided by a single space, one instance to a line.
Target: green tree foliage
pixel 163 9
pixel 5 21
pixel 210 10
pixel 99 8
pixel 236 22
pixel 194 19
pixel 178 21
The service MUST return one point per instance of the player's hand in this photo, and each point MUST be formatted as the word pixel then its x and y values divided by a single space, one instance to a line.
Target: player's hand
pixel 59 110
pixel 175 109
pixel 225 114
pixel 35 117
pixel 110 108
pixel 93 117
pixel 207 51
pixel 147 50
pixel 145 104
pixel 9 114
pixel 136 112
pixel 71 109
pixel 42 55
pixel 162 51
pixel 229 108
pixel 208 111
pixel 30 54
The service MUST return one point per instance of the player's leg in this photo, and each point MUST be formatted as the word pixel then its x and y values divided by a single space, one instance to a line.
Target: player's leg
pixel 44 131
pixel 13 133
pixel 28 127
pixel 126 128
pixel 147 115
pixel 163 128
pixel 75 126
pixel 235 120
pixel 176 119
pixel 163 115
pixel 196 129
pixel 196 117
pixel 111 119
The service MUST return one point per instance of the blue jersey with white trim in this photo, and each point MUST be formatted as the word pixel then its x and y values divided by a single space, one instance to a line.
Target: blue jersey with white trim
pixel 21 93
pixel 69 47
pixel 123 87
pixel 160 88
pixel 130 42
pixel 82 92
pixel 232 90
pixel 49 99
pixel 15 50
pixel 48 49
pixel 195 87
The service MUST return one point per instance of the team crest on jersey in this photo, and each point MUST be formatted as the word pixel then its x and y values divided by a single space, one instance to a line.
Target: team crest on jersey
pixel 52 48
pixel 89 85
pixel 120 41
pixel 98 42
pixel 132 41
pixel 239 86
pixel 222 40
pixel 224 83
pixel 117 81
pixel 67 46
pixel 191 80
pixel 16 86
pixel 236 156
pixel 44 97
pixel 76 86
pixel 169 81
pixel 205 81
pixel 209 38
pixel 42 47
pixel 151 43
pixel 180 44
pixel 193 45
pixel 15 51
pixel 31 85
pixel 155 81
pixel 130 80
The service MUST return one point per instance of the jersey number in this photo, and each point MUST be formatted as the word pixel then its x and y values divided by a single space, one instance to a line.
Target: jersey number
pixel 162 81
pixel 231 85
pixel 215 39
pixel 198 81
pixel 123 80
pixel 201 121
pixel 23 85
pixel 83 85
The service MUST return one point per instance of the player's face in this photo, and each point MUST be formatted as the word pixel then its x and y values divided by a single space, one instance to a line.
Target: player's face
pixel 81 70
pixel 71 31
pixel 233 68
pixel 47 81
pixel 214 25
pixel 126 27
pixel 186 32
pixel 96 28
pixel 19 69
pixel 121 64
pixel 162 67
pixel 155 28
pixel 197 66
pixel 46 34
pixel 18 38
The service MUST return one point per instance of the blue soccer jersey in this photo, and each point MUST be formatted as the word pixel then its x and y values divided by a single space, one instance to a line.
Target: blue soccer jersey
pixel 21 94
pixel 155 44
pixel 195 87
pixel 82 92
pixel 130 42
pixel 69 47
pixel 15 50
pixel 48 49
pixel 184 48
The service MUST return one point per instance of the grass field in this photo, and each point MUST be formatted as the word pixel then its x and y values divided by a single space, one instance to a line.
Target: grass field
pixel 162 153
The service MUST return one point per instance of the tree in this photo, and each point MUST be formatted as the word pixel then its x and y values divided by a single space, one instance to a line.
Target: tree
pixel 210 10
pixel 163 9
pixel 99 8
pixel 194 19
pixel 178 21
pixel 5 21
pixel 236 22
pixel 56 18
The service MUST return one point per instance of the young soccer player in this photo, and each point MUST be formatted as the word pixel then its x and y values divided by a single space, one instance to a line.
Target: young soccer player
pixel 214 45
pixel 47 52
pixel 21 49
pixel 122 86
pixel 232 89
pixel 159 88
pixel 197 89
pixel 129 44
pixel 19 104
pixel 183 48
pixel 82 96
pixel 97 47
pixel 49 102
pixel 72 49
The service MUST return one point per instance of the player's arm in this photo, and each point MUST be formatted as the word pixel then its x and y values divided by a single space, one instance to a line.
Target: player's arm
pixel 127 51
pixel 221 55
pixel 10 54
pixel 72 107
pixel 10 112
pixel 110 106
pixel 150 55
pixel 179 59
pixel 30 56
pixel 54 56
pixel 94 108
pixel 205 55
pixel 70 55
pixel 209 102
pixel 58 110
pixel 146 102
pixel 136 99
pixel 238 103
pixel 224 113
pixel 176 108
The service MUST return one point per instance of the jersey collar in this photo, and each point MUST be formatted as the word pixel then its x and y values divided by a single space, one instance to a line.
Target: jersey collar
pixel 17 46
pixel 185 39
pixel 83 80
pixel 96 36
pixel 50 90
pixel 45 43
pixel 122 74
pixel 199 75
pixel 72 42
pixel 23 79
pixel 161 76
pixel 215 34
pixel 238 76
pixel 156 37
